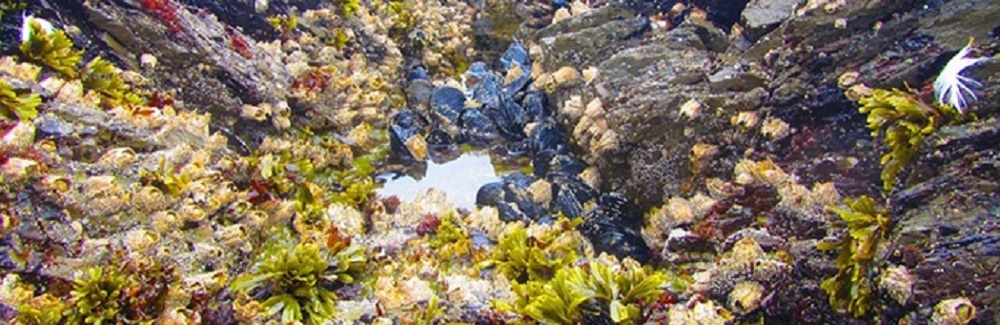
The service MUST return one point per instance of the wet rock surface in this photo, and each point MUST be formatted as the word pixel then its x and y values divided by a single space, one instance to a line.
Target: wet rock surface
pixel 707 138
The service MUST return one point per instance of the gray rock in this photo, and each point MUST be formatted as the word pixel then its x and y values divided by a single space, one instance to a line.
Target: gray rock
pixel 762 16
pixel 947 230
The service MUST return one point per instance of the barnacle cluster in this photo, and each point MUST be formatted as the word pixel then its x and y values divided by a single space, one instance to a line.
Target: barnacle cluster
pixel 904 120
pixel 867 226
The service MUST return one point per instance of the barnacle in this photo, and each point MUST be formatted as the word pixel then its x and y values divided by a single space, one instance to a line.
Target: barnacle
pixel 950 86
pixel 905 121
pixel 52 49
pixel 20 106
pixel 867 226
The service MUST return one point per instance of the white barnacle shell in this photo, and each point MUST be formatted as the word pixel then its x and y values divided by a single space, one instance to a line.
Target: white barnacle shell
pixel 950 86
pixel 955 311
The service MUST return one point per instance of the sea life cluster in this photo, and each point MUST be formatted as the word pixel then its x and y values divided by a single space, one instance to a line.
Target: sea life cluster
pixel 122 203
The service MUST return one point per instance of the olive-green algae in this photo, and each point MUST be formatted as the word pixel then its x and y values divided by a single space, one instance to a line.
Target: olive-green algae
pixel 297 276
pixel 867 227
pixel 53 50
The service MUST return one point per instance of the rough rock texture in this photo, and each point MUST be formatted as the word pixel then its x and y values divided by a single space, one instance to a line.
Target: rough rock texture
pixel 947 231
pixel 761 16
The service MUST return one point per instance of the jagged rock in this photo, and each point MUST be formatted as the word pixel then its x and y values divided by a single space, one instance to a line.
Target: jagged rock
pixel 762 16
pixel 947 231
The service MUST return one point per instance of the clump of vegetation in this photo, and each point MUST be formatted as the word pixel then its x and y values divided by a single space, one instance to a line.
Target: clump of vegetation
pixel 17 106
pixel 51 49
pixel 41 310
pixel 349 7
pixel 298 274
pixel 522 258
pixel 286 24
pixel 166 179
pixel 450 240
pixel 603 289
pixel 867 226
pixel 100 75
pixel 131 293
pixel 905 121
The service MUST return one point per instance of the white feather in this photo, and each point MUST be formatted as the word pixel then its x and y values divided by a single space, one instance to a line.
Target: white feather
pixel 950 86
pixel 26 20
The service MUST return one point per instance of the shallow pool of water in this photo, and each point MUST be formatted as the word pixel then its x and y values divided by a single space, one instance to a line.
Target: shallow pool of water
pixel 459 179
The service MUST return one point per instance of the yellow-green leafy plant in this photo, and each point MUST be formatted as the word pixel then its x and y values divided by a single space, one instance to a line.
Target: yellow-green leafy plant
pixel 122 292
pixel 523 258
pixel 41 310
pixel 100 75
pixel 905 121
pixel 605 288
pixel 297 276
pixel 433 310
pixel 51 49
pixel 867 226
pixel 96 296
pixel 349 7
pixel 450 240
pixel 19 106
pixel 284 23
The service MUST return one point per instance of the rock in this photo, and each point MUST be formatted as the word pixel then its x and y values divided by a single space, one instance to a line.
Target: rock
pixel 761 16
pixel 588 39
pixel 947 232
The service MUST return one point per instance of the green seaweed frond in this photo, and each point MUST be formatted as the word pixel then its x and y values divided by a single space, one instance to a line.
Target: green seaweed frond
pixel 19 106
pixel 286 24
pixel 95 296
pixel 451 241
pixel 430 313
pixel 297 276
pixel 131 293
pixel 166 179
pixel 100 75
pixel 523 258
pixel 53 50
pixel 41 310
pixel 349 7
pixel 867 226
pixel 905 121
pixel 605 288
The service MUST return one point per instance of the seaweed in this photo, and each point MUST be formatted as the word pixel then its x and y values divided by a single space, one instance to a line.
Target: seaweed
pixel 522 258
pixel 605 288
pixel 19 106
pixel 100 75
pixel 51 49
pixel 905 121
pixel 867 226
pixel 298 275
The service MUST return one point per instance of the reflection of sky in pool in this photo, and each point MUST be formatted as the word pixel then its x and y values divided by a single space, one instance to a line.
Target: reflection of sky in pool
pixel 460 179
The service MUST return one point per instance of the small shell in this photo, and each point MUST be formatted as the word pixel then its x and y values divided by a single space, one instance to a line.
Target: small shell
pixel 690 109
pixel 591 176
pixel 256 112
pixel 541 191
pixel 746 297
pixel 565 75
pixel 775 128
pixel 148 61
pixel 579 7
pixel 560 15
pixel 898 282
pixel 745 119
pixel 590 73
pixel 417 146
pixel 118 157
pixel 847 79
pixel 956 311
